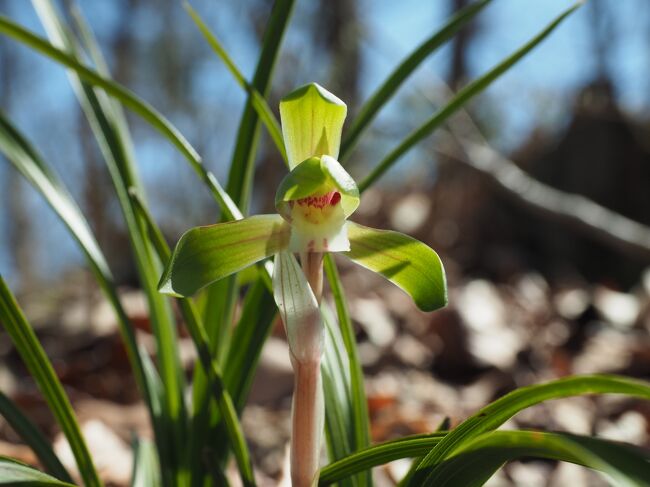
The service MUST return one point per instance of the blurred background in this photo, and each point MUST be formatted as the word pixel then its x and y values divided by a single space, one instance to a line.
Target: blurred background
pixel 542 283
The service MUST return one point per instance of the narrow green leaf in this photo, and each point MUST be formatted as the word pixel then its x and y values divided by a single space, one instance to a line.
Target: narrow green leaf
pixel 462 97
pixel 138 106
pixel 335 369
pixel 361 461
pixel 358 403
pixel 250 334
pixel 110 130
pixel 207 254
pixel 25 159
pixel 262 108
pixel 405 261
pixel 498 412
pixel 24 339
pixel 388 88
pixel 476 462
pixel 146 471
pixel 242 166
pixel 199 337
pixel 312 121
pixel 15 473
pixel 33 437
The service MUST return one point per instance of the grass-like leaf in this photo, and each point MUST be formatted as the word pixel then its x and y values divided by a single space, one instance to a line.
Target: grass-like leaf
pixel 30 350
pixel 462 97
pixel 131 101
pixel 405 261
pixel 498 412
pixel 27 161
pixel 33 437
pixel 259 103
pixel 16 474
pixel 388 88
pixel 146 471
pixel 242 164
pixel 110 130
pixel 199 336
pixel 335 369
pixel 622 465
pixel 357 402
pixel 363 460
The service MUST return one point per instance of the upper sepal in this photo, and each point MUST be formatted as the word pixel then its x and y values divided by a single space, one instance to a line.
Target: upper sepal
pixel 312 122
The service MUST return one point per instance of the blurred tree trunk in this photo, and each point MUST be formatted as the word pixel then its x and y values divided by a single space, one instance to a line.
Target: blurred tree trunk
pixel 338 22
pixel 460 47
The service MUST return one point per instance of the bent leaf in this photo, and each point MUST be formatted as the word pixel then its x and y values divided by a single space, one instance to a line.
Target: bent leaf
pixel 619 463
pixel 405 261
pixel 298 309
pixel 16 474
pixel 31 351
pixel 498 412
pixel 31 435
pixel 207 254
pixel 312 121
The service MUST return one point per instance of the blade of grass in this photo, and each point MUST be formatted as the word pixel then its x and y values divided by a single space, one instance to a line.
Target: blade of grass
pixel 442 427
pixel 30 350
pixel 363 460
pixel 131 101
pixel 260 105
pixel 109 131
pixel 336 389
pixel 619 464
pixel 14 473
pixel 498 412
pixel 33 437
pixel 388 88
pixel 360 433
pixel 462 97
pixel 27 161
pixel 252 330
pixel 242 164
pixel 146 471
pixel 200 339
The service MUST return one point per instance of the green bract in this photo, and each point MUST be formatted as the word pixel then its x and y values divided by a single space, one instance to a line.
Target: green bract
pixel 314 201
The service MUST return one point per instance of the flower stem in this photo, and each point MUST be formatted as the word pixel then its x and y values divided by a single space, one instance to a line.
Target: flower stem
pixel 307 423
pixel 308 409
pixel 312 266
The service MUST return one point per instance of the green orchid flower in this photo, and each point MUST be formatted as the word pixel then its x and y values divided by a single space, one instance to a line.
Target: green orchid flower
pixel 314 203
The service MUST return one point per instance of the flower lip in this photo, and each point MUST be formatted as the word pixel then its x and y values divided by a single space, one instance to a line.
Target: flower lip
pixel 332 198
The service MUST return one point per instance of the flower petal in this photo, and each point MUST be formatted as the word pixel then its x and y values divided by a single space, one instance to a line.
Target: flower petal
pixel 206 254
pixel 318 175
pixel 405 261
pixel 312 121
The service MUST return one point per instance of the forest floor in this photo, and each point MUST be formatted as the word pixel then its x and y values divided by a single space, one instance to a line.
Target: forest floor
pixel 420 368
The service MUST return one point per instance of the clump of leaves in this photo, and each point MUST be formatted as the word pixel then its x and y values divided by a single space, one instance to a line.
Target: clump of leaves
pixel 193 441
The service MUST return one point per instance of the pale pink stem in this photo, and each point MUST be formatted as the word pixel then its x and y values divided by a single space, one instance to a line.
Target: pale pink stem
pixel 308 409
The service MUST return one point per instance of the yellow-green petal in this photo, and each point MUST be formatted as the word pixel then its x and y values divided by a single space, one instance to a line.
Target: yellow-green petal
pixel 312 122
pixel 405 261
pixel 206 254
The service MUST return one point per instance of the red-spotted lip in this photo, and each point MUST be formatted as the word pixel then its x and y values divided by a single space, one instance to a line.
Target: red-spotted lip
pixel 328 199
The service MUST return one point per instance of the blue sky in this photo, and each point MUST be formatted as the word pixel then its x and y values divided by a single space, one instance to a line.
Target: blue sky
pixel 537 91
